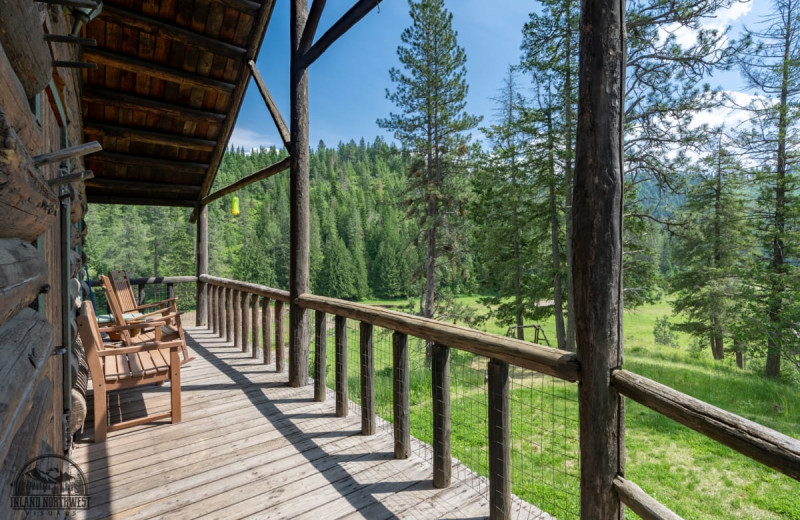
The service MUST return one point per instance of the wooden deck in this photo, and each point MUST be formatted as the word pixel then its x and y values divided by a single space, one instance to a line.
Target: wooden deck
pixel 251 447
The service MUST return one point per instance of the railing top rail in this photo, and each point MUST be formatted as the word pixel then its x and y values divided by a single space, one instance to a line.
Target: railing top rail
pixel 546 360
pixel 152 280
pixel 261 290
pixel 758 442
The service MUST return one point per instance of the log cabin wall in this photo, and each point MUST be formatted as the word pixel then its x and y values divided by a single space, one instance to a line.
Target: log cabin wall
pixel 41 235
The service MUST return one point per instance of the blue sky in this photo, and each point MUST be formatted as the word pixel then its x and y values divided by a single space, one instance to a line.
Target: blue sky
pixel 347 84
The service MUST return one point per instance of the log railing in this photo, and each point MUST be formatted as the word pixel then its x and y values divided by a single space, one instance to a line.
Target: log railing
pixel 233 313
pixel 226 298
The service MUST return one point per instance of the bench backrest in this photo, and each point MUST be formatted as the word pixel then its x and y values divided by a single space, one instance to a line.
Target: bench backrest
pixel 123 289
pixel 91 339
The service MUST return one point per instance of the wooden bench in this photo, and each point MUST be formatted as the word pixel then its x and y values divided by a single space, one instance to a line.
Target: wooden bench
pixel 117 366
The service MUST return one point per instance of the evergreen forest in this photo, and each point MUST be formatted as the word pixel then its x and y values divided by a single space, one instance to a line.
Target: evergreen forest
pixel 459 204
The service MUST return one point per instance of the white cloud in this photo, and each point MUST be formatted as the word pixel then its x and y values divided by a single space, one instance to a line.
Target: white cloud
pixel 249 139
pixel 733 114
pixel 722 19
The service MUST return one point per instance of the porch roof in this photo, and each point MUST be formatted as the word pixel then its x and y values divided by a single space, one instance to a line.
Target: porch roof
pixel 163 101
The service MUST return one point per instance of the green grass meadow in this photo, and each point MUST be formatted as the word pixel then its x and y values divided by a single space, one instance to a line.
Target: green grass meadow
pixel 691 474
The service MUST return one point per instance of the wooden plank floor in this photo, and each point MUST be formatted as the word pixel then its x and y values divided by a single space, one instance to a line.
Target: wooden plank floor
pixel 251 447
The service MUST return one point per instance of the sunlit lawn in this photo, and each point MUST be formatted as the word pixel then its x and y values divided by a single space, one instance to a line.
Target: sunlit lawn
pixel 696 477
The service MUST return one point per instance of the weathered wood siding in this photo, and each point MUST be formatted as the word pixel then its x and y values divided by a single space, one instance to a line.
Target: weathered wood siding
pixel 37 296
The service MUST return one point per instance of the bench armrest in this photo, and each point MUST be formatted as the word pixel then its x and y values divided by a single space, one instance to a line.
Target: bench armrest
pixel 144 347
pixel 136 326
pixel 162 303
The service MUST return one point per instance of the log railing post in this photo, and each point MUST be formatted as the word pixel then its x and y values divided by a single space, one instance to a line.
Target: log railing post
pixel 171 290
pixel 254 324
pixel 228 315
pixel 400 383
pixel 342 397
pixel 202 317
pixel 367 378
pixel 212 305
pixel 245 321
pixel 499 442
pixel 440 378
pixel 237 319
pixel 320 355
pixel 280 344
pixel 142 293
pixel 220 311
pixel 266 334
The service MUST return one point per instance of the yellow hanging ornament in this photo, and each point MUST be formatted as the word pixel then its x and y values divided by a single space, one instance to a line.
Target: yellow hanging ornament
pixel 235 208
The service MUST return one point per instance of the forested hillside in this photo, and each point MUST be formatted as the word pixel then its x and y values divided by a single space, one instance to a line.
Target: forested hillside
pixel 361 243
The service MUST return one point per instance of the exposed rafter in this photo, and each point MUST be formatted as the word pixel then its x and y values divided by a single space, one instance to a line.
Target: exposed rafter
pixel 260 24
pixel 168 31
pixel 185 191
pixel 139 201
pixel 103 57
pixel 110 98
pixel 148 136
pixel 245 6
pixel 349 19
pixel 124 159
pixel 280 123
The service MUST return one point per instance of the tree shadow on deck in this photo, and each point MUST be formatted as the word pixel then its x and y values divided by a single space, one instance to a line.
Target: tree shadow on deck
pixel 327 465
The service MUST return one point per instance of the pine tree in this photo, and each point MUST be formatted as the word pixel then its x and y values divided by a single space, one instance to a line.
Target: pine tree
pixel 431 94
pixel 712 247
pixel 772 70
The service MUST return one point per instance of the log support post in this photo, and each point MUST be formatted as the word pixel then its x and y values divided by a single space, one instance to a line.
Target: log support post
pixel 245 321
pixel 280 344
pixel 597 253
pixel 254 324
pixel 299 327
pixel 499 442
pixel 400 388
pixel 342 398
pixel 367 352
pixel 320 355
pixel 266 334
pixel 202 268
pixel 440 378
pixel 142 294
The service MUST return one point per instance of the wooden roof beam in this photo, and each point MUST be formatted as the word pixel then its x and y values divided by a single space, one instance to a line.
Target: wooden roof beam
pixel 169 165
pixel 150 137
pixel 265 173
pixel 151 106
pixel 256 37
pixel 349 19
pixel 277 118
pixel 168 31
pixel 138 201
pixel 154 70
pixel 245 6
pixel 152 188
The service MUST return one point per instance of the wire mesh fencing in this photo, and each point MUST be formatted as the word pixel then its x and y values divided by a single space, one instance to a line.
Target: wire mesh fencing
pixel 542 416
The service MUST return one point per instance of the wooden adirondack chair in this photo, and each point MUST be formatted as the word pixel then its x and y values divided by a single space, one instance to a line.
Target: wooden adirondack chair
pixel 126 311
pixel 116 367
